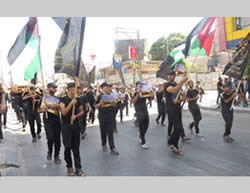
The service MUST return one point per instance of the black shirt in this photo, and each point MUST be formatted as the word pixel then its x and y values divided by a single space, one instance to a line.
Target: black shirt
pixel 140 106
pixel 91 98
pixel 84 101
pixel 67 118
pixel 225 96
pixel 29 103
pixel 191 93
pixel 170 97
pixel 219 85
pixel 241 88
pixel 159 97
pixel 105 109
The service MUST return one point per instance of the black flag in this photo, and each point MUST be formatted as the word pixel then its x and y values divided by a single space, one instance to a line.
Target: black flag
pixel 68 53
pixel 165 68
pixel 237 66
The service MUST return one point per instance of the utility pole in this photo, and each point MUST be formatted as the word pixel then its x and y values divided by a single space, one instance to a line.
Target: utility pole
pixel 138 54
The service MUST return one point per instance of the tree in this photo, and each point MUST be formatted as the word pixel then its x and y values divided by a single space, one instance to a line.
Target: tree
pixel 164 45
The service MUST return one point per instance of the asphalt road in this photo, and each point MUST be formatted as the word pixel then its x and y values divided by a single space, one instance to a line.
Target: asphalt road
pixel 204 156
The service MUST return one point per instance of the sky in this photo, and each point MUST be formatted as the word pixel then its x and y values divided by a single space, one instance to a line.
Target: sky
pixel 98 38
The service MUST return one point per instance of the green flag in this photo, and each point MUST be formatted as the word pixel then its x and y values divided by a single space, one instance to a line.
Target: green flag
pixel 34 66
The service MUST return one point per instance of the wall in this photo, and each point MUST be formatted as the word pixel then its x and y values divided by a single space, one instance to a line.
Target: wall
pixel 234 36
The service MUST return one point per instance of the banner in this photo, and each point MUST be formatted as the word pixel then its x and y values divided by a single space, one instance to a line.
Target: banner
pixel 237 66
pixel 68 53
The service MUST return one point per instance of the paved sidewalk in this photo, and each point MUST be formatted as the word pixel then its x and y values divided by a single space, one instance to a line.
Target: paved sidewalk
pixel 209 103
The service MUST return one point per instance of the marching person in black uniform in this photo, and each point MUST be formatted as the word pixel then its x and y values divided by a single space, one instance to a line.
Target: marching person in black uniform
pixel 174 110
pixel 34 101
pixel 106 113
pixel 71 132
pixel 86 107
pixel 226 102
pixel 142 115
pixel 2 111
pixel 219 86
pixel 52 124
pixel 25 107
pixel 126 100
pixel 192 98
pixel 92 101
pixel 181 100
pixel 16 97
pixel 124 104
pixel 160 106
pixel 6 111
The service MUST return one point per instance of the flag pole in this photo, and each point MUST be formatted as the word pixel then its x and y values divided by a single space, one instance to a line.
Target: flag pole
pixel 190 68
pixel 74 106
pixel 43 85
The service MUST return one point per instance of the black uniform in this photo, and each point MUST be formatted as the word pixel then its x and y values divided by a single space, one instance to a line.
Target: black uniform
pixel 6 111
pixel 226 112
pixel 161 107
pixel 84 101
pixel 92 102
pixel 142 117
pixel 25 110
pixel 71 134
pixel 194 109
pixel 126 103
pixel 52 125
pixel 219 85
pixel 174 116
pixel 16 103
pixel 33 115
pixel 106 114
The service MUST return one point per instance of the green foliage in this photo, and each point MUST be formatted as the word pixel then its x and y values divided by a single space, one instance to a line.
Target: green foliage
pixel 164 45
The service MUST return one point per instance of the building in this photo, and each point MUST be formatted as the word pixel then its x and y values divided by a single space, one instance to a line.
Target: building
pixel 130 72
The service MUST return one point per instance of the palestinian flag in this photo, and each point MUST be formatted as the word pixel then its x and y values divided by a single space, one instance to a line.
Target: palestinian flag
pixel 174 61
pixel 28 40
pixel 201 38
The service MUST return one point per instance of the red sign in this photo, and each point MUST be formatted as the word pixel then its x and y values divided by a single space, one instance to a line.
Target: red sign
pixel 132 52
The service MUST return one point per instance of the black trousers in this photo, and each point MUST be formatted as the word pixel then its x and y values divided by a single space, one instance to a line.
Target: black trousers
pixel 143 122
pixel 171 125
pixel 53 134
pixel 17 111
pixel 121 111
pixel 92 114
pixel 25 115
pixel 228 117
pixel 126 106
pixel 83 122
pixel 107 127
pixel 174 116
pixel 196 113
pixel 32 117
pixel 161 112
pixel 71 141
